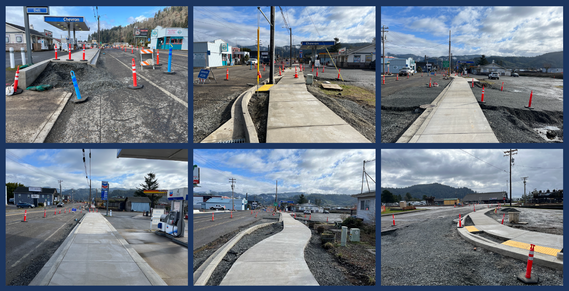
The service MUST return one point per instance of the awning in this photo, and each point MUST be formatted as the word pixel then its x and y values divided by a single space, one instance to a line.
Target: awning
pixel 62 22
pixel 155 154
pixel 318 44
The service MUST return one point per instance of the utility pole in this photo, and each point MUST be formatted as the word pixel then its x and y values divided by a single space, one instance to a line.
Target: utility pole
pixel 449 56
pixel 272 48
pixel 290 59
pixel 524 178
pixel 276 193
pixel 383 39
pixel 510 153
pixel 232 180
pixel 28 37
pixel 60 193
pixel 98 28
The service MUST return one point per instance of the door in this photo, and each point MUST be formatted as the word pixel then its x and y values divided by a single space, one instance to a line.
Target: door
pixel 35 202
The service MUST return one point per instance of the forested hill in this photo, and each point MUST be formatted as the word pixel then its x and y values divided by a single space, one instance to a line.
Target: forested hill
pixel 435 190
pixel 175 16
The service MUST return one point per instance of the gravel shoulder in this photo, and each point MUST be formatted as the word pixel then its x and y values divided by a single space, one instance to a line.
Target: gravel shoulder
pixel 432 253
pixel 538 220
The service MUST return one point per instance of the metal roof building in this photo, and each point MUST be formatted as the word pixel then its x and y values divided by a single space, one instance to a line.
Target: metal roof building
pixel 491 197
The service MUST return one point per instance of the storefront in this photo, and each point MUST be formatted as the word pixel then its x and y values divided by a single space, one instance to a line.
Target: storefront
pixel 169 37
pixel 212 54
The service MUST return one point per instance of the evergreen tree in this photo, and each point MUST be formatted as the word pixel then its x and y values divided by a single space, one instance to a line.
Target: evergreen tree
pixel 150 183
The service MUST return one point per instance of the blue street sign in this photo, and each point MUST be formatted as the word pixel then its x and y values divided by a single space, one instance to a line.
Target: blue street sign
pixel 317 43
pixel 466 62
pixel 203 74
pixel 73 209
pixel 38 10
pixel 104 194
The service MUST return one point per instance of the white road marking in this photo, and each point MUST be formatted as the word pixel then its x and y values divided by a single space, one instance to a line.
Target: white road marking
pixel 153 84
pixel 26 255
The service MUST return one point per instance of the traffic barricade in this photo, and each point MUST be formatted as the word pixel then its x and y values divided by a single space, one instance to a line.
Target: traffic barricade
pixel 146 58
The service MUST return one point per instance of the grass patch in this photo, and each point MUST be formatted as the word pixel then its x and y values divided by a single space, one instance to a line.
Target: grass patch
pixel 560 87
pixel 357 94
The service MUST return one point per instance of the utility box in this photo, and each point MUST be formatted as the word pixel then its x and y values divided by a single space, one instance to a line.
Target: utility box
pixel 354 234
pixel 402 204
pixel 309 79
pixel 513 217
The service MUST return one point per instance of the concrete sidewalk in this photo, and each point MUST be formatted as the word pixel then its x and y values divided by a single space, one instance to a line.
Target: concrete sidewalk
pixel 95 254
pixel 456 118
pixel 275 261
pixel 516 243
pixel 295 116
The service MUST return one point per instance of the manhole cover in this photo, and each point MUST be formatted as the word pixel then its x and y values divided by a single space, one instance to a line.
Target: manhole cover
pixel 425 106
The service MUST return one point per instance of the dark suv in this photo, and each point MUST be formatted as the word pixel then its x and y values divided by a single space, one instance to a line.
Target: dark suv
pixel 24 205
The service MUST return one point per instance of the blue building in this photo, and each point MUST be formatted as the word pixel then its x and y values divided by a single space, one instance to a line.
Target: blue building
pixel 35 195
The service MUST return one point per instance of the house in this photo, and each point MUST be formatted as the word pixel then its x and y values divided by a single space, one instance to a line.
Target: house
pixel 238 203
pixel 486 198
pixel 310 207
pixel 360 57
pixel 366 207
pixel 212 54
pixel 552 70
pixel 387 63
pixel 35 195
pixel 492 67
pixel 138 204
pixel 16 38
pixel 397 64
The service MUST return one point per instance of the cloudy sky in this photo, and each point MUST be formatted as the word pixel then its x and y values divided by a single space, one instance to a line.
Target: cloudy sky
pixel 311 171
pixel 491 31
pixel 479 170
pixel 110 17
pixel 238 25
pixel 42 168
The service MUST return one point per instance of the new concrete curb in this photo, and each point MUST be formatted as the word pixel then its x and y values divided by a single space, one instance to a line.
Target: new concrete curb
pixel 50 122
pixel 416 125
pixel 204 272
pixel 516 253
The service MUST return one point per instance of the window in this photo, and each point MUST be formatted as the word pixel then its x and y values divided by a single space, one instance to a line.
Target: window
pixel 19 195
pixel 364 205
pixel 19 38
pixel 7 39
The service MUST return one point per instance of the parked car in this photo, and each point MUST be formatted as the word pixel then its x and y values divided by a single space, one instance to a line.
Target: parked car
pixel 217 207
pixel 326 211
pixel 405 72
pixel 494 75
pixel 515 75
pixel 306 211
pixel 252 61
pixel 60 204
pixel 24 205
pixel 11 200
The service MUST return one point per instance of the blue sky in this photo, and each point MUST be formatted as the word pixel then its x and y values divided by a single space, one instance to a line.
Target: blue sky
pixel 42 168
pixel 330 171
pixel 110 16
pixel 492 31
pixel 482 170
pixel 238 25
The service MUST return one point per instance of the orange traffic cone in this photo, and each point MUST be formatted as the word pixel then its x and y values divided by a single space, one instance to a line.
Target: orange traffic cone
pixel 25 215
pixel 295 72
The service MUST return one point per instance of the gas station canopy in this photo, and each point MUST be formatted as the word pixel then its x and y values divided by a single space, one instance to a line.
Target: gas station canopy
pixel 317 45
pixel 63 22
pixel 155 154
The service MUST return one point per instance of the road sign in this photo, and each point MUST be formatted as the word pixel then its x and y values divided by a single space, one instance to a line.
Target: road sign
pixel 202 75
pixel 275 204
pixel 38 10
pixel 445 64
pixel 300 53
pixel 104 194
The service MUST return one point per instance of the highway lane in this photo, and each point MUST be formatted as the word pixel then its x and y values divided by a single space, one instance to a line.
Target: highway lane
pixel 206 231
pixel 30 244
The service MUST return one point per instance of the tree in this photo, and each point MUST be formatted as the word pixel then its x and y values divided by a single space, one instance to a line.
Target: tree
pixel 408 196
pixel 483 61
pixel 419 70
pixel 387 197
pixel 336 46
pixel 150 183
pixel 302 199
pixel 11 187
pixel 425 197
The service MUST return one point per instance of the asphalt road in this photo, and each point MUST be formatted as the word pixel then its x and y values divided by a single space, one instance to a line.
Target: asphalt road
pixel 206 230
pixel 29 245
pixel 37 56
pixel 431 212
pixel 157 113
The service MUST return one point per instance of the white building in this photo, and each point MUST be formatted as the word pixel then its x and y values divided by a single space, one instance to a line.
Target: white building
pixel 212 54
pixel 366 207
pixel 552 70
pixel 311 207
pixel 357 58
pixel 493 67
pixel 16 38
pixel 395 65
pixel 239 203
pixel 169 37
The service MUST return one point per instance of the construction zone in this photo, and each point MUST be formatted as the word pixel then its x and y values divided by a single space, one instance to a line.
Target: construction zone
pixel 93 101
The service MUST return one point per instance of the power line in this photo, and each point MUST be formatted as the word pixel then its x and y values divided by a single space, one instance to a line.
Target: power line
pixel 483 161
